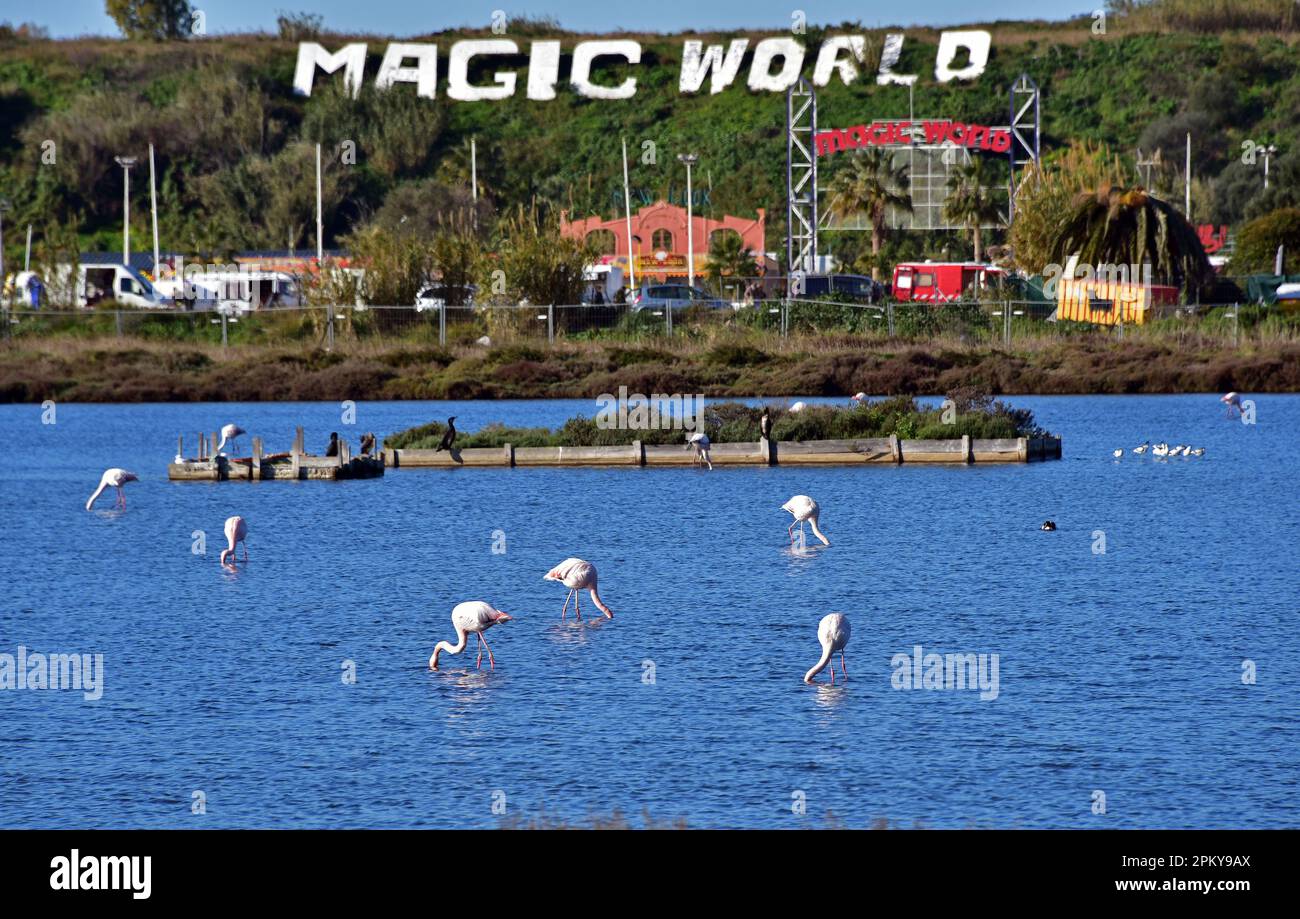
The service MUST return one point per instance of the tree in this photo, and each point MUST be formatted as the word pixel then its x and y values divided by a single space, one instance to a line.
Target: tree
pixel 870 184
pixel 534 262
pixel 1043 198
pixel 970 198
pixel 1115 225
pixel 151 19
pixel 728 255
pixel 1257 243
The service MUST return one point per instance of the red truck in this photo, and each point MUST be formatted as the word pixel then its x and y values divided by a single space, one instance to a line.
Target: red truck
pixel 936 282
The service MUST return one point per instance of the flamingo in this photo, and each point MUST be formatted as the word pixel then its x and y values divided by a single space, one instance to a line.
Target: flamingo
pixel 699 442
pixel 1117 454
pixel 113 478
pixel 1142 448
pixel 577 574
pixel 472 616
pixel 859 398
pixel 804 508
pixel 833 632
pixel 228 433
pixel 236 532
pixel 1233 401
pixel 798 407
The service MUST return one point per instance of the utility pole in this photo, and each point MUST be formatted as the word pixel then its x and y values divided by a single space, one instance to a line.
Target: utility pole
pixel 126 162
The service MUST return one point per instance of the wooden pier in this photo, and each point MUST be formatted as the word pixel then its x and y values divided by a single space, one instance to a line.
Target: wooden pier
pixel 295 465
pixel 886 450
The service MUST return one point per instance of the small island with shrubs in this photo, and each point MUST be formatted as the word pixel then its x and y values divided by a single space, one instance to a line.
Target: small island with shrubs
pixel 968 426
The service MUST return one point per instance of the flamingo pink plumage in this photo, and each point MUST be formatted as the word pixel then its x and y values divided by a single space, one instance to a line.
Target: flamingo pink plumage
pixel 577 574
pixel 113 478
pixel 236 532
pixel 802 508
pixel 472 616
pixel 230 433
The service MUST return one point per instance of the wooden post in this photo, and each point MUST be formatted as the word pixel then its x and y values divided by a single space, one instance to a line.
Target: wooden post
pixel 295 455
pixel 180 446
pixel 767 450
pixel 257 460
pixel 1022 449
pixel 896 448
pixel 345 453
pixel 967 454
pixel 638 450
pixel 510 455
pixel 214 445
pixel 299 442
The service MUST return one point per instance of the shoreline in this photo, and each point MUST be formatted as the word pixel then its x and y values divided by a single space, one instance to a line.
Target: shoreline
pixel 136 371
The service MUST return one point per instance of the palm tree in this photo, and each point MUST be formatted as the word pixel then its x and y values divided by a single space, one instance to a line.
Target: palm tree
pixel 728 255
pixel 871 183
pixel 1115 225
pixel 970 198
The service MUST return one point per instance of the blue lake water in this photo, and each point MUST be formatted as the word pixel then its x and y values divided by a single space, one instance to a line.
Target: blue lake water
pixel 1119 673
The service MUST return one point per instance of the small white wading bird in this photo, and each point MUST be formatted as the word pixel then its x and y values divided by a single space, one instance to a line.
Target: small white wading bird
pixel 1199 451
pixel 1142 447
pixel 236 532
pixel 699 443
pixel 1117 454
pixel 113 478
pixel 1160 449
pixel 577 574
pixel 231 433
pixel 472 616
pixel 833 633
pixel 798 407
pixel 804 508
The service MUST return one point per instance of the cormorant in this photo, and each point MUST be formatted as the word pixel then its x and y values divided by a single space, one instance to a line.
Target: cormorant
pixel 449 437
pixel 765 424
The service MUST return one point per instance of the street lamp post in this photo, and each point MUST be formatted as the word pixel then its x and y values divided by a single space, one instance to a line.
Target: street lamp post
pixel 126 162
pixel 1268 151
pixel 690 159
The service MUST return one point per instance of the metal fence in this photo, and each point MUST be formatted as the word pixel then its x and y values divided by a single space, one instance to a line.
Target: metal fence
pixel 326 326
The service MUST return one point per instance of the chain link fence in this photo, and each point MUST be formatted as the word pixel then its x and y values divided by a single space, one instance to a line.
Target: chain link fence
pixel 991 322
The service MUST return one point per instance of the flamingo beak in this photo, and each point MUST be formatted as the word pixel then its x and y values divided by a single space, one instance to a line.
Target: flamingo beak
pixel 504 617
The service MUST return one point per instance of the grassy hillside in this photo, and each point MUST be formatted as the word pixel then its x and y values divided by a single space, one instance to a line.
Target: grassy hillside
pixel 235 155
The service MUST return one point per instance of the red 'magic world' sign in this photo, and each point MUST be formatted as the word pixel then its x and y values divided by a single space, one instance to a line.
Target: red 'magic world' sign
pixel 895 133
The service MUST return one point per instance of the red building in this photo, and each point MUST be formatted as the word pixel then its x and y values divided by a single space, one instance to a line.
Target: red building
pixel 659 239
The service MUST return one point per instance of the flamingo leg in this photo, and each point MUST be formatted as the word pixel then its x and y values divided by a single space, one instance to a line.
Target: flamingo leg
pixel 789 531
pixel 577 610
pixel 566 604
pixel 121 496
pixel 479 662
pixel 832 673
pixel 245 551
pixel 492 661
pixel 843 672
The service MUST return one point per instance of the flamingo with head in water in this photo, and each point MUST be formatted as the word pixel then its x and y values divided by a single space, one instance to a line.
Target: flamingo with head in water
pixel 699 444
pixel 472 616
pixel 804 508
pixel 236 532
pixel 859 398
pixel 1233 401
pixel 577 574
pixel 833 632
pixel 113 478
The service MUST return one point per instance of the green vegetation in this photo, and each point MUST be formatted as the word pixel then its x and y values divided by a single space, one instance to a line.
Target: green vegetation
pixel 235 146
pixel 1258 240
pixel 972 413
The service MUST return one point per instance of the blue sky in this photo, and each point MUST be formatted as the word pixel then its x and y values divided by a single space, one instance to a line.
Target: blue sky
pixel 408 17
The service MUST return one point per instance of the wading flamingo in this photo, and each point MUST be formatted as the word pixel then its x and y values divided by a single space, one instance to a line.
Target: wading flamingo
pixel 833 632
pixel 230 433
pixel 472 616
pixel 236 532
pixel 577 574
pixel 804 508
pixel 1233 401
pixel 859 398
pixel 113 478
pixel 798 407
pixel 699 442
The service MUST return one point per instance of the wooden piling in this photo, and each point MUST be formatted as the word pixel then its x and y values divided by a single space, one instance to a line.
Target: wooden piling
pixel 257 460
pixel 895 448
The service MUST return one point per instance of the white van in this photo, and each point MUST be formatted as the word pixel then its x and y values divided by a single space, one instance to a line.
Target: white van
pixel 97 283
pixel 235 293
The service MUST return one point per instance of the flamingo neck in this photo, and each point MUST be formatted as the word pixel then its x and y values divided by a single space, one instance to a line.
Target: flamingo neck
pixel 600 604
pixel 459 646
pixel 98 491
pixel 812 521
pixel 821 664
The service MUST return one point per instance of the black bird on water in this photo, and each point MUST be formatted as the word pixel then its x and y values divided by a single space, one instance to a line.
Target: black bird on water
pixel 1048 525
pixel 449 437
pixel 765 424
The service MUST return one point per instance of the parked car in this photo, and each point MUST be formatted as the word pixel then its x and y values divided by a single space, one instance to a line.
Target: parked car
pixel 854 287
pixel 676 297
pixel 430 298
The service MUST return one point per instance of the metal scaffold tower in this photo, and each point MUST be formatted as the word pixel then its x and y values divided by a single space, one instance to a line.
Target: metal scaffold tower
pixel 801 177
pixel 1025 133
